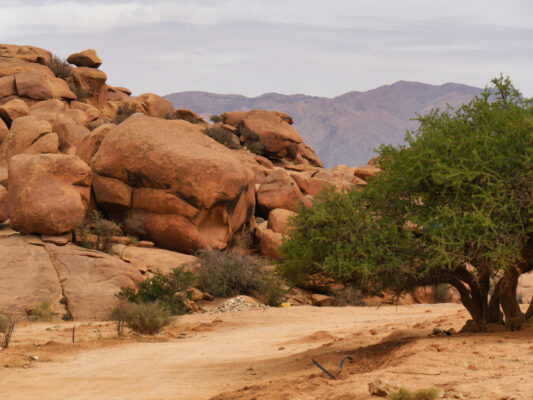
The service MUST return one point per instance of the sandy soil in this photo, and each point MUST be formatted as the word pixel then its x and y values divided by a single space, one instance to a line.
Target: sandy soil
pixel 267 355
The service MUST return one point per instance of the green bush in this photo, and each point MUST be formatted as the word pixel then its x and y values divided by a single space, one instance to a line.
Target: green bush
pixel 222 136
pixel 423 394
pixel 252 141
pixel 102 229
pixel 43 312
pixel 169 290
pixel 7 326
pixel 143 318
pixel 60 67
pixel 124 112
pixel 215 118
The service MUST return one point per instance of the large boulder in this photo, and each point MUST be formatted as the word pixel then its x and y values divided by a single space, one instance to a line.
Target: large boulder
pixel 12 110
pixel 278 220
pixel 29 54
pixel 90 144
pixel 48 193
pixel 268 242
pixel 118 93
pixel 4 204
pixel 28 135
pixel 92 82
pixel 156 106
pixel 279 191
pixel 85 58
pixel 187 191
pixel 4 130
pixel 153 259
pixel 7 86
pixel 189 116
pixel 38 86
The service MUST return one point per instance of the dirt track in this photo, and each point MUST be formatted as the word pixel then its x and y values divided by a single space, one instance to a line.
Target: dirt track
pixel 267 355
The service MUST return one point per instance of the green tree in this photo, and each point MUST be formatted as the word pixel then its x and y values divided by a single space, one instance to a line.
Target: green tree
pixel 452 206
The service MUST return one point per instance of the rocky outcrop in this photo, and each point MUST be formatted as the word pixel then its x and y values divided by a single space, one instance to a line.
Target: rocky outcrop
pixel 91 82
pixel 85 58
pixel 12 110
pixel 39 86
pixel 48 193
pixel 278 220
pixel 4 204
pixel 188 192
pixel 156 106
pixel 189 116
pixel 268 242
pixel 153 259
pixel 279 191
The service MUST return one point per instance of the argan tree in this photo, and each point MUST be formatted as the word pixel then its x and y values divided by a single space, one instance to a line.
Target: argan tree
pixel 452 206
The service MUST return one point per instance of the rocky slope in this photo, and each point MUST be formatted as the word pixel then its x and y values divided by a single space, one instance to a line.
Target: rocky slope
pixel 344 129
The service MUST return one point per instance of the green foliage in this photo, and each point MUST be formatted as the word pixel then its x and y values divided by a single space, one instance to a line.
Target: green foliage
pixel 451 206
pixel 43 312
pixel 215 118
pixel 60 67
pixel 143 318
pixel 7 326
pixel 124 112
pixel 222 136
pixel 169 290
pixel 228 273
pixel 134 240
pixel 101 229
pixel 423 394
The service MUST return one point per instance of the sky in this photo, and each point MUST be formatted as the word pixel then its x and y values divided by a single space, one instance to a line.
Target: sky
pixel 315 47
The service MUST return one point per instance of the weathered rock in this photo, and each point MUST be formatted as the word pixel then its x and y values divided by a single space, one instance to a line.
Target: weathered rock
pixel 278 220
pixel 4 130
pixel 92 82
pixel 48 193
pixel 203 192
pixel 28 135
pixel 380 388
pixel 58 240
pixel 90 144
pixel 4 204
pixel 7 86
pixel 146 244
pixel 322 300
pixel 91 112
pixel 112 109
pixel 279 191
pixel 28 276
pixel 269 241
pixel 48 109
pixel 30 54
pixel 38 86
pixel 116 94
pixel 85 58
pixel 70 129
pixel 233 118
pixel 154 259
pixel 12 110
pixel 261 166
pixel 307 155
pixel 91 279
pixel 367 172
pixel 189 116
pixel 156 106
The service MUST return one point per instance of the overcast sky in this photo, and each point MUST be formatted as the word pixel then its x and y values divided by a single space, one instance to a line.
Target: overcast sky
pixel 316 47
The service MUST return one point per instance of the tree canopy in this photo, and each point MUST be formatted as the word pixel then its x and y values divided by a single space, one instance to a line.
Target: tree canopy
pixel 452 206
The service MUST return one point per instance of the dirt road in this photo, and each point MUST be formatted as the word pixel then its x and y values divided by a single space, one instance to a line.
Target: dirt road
pixel 267 354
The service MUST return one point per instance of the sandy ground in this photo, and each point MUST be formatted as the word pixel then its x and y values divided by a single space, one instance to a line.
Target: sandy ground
pixel 267 355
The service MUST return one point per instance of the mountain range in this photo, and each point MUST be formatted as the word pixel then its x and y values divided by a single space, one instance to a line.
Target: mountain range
pixel 345 129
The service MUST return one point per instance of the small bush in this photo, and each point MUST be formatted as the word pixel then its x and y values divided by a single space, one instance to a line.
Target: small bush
pixel 60 67
pixel 441 293
pixel 81 95
pixel 252 141
pixel 171 116
pixel 273 291
pixel 43 312
pixel 134 240
pixel 7 326
pixel 222 136
pixel 102 229
pixel 519 298
pixel 215 118
pixel 143 318
pixel 349 296
pixel 423 394
pixel 168 290
pixel 124 112
pixel 243 240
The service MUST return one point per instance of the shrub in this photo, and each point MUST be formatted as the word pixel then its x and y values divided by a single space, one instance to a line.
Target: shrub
pixel 272 290
pixel 222 136
pixel 43 312
pixel 95 224
pixel 252 141
pixel 134 240
pixel 441 293
pixel 59 67
pixel 349 296
pixel 7 326
pixel 124 112
pixel 423 394
pixel 81 95
pixel 169 290
pixel 171 116
pixel 243 240
pixel 143 318
pixel 215 118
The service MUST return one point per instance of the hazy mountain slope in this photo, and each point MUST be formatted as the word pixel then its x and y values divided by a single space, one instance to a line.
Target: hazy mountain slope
pixel 344 129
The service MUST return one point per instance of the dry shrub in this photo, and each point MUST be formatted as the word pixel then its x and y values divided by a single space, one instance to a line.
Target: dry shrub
pixel 60 67
pixel 7 326
pixel 43 312
pixel 423 394
pixel 252 141
pixel 222 136
pixel 124 112
pixel 143 318
pixel 215 118
pixel 441 293
pixel 102 229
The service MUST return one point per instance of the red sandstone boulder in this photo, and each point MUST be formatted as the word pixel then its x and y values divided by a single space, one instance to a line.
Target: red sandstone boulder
pixel 279 191
pixel 28 135
pixel 278 220
pixel 85 58
pixel 48 193
pixel 7 86
pixel 48 109
pixel 4 130
pixel 189 116
pixel 188 191
pixel 269 241
pixel 156 106
pixel 367 172
pixel 38 86
pixel 4 205
pixel 30 54
pixel 12 110
pixel 92 82
pixel 91 113
pixel 90 144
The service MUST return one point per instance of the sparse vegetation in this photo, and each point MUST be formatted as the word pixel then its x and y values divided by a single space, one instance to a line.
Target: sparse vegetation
pixel 95 232
pixel 252 141
pixel 243 240
pixel 441 293
pixel 43 312
pixel 349 296
pixel 215 118
pixel 171 116
pixel 168 290
pixel 81 94
pixel 60 67
pixel 134 240
pixel 405 394
pixel 222 136
pixel 143 318
pixel 124 112
pixel 7 326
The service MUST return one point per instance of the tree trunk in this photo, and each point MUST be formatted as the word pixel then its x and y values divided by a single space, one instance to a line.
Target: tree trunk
pixel 511 309
pixel 494 314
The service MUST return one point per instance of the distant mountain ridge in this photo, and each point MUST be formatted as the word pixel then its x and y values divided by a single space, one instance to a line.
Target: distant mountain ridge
pixel 344 129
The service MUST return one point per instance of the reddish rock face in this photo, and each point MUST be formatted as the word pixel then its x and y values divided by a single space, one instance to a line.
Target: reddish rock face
pixel 38 86
pixel 269 241
pixel 156 106
pixel 12 110
pixel 91 81
pixel 3 130
pixel 4 205
pixel 278 220
pixel 48 193
pixel 30 54
pixel 278 191
pixel 188 191
pixel 189 116
pixel 85 58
